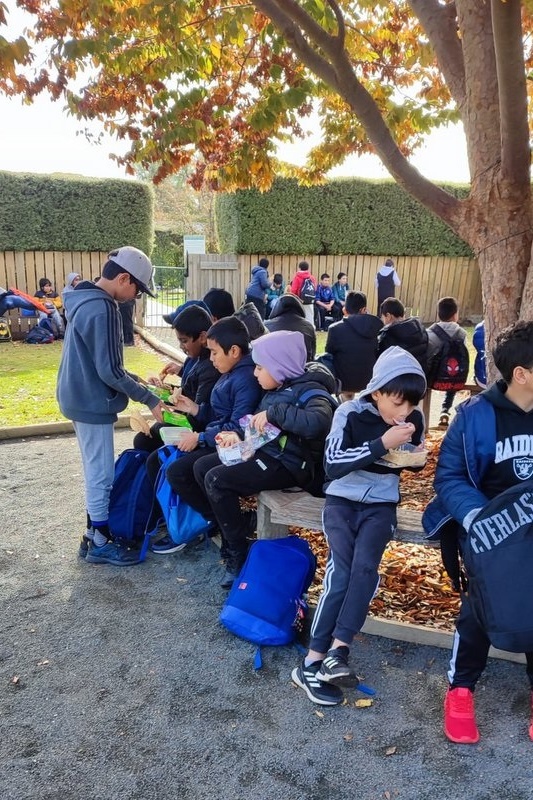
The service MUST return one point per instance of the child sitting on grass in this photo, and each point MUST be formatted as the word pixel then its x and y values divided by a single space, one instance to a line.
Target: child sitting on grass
pixel 53 303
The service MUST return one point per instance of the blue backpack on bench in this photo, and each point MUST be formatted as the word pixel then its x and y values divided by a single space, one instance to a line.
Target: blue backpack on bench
pixel 267 603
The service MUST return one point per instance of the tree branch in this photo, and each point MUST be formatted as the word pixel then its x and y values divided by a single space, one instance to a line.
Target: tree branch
pixel 510 67
pixel 340 22
pixel 340 76
pixel 440 24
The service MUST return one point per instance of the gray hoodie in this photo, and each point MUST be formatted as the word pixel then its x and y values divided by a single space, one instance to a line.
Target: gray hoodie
pixel 354 447
pixel 92 384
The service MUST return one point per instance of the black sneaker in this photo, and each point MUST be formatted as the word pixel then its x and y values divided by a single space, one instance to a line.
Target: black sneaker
pixel 318 692
pixel 251 522
pixel 84 545
pixel 335 666
pixel 228 579
pixel 167 545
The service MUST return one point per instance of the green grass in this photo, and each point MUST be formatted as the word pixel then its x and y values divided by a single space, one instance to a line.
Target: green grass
pixel 29 375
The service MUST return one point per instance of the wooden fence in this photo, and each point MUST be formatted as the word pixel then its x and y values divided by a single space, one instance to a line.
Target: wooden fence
pixel 424 279
pixel 22 270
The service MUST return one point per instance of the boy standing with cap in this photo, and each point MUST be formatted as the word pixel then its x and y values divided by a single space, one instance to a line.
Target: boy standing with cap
pixel 93 387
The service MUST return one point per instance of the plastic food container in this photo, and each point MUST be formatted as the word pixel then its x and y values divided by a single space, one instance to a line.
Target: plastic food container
pixel 406 456
pixel 173 434
pixel 175 418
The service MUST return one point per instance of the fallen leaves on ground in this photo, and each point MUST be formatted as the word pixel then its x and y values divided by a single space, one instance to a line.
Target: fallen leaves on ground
pixel 414 587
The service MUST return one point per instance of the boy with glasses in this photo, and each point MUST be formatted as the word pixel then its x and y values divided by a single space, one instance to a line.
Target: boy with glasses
pixel 93 387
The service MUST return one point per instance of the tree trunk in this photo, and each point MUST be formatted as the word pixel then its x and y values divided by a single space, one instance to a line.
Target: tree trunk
pixel 496 221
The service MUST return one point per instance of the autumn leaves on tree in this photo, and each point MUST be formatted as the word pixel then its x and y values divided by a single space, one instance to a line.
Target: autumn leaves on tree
pixel 217 85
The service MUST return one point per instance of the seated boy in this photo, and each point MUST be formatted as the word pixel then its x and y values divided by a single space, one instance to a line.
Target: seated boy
pixel 324 302
pixel 288 460
pixel 53 303
pixel 235 394
pixel 274 292
pixel 487 449
pixel 360 513
pixel 198 374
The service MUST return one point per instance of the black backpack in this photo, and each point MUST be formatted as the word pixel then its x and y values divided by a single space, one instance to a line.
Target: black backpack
pixel 308 291
pixel 452 364
pixel 498 557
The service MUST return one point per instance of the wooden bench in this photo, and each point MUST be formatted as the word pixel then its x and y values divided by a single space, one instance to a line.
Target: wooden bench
pixel 278 509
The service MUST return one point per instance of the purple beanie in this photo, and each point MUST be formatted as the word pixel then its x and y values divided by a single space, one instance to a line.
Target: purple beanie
pixel 282 353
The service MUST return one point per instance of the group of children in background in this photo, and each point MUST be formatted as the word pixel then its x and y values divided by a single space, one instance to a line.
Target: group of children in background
pixel 227 376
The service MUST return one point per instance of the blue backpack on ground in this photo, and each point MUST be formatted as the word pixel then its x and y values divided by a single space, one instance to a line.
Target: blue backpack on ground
pixel 184 523
pixel 131 500
pixel 266 604
pixel 42 333
pixel 498 557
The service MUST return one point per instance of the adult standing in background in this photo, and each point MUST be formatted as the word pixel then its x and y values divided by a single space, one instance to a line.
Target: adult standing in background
pixel 73 278
pixel 387 280
pixel 257 288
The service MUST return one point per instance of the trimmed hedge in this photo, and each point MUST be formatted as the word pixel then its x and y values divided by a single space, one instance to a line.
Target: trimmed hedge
pixel 43 212
pixel 342 216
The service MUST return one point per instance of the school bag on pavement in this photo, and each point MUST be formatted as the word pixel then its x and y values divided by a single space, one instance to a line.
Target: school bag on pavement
pixel 266 604
pixel 184 523
pixel 308 291
pixel 452 364
pixel 498 557
pixel 131 499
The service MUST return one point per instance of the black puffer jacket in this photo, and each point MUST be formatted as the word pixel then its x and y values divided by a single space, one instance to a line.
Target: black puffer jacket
pixel 304 429
pixel 289 315
pixel 409 334
pixel 353 343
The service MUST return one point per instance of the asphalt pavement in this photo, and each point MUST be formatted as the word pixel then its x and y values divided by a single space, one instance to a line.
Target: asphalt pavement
pixel 121 683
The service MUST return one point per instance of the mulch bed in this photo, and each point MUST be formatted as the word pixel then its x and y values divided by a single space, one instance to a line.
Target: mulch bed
pixel 414 587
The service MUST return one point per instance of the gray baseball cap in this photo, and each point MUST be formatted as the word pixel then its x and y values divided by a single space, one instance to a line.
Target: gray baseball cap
pixel 137 264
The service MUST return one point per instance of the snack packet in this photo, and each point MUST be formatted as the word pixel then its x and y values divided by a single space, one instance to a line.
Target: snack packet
pixel 253 440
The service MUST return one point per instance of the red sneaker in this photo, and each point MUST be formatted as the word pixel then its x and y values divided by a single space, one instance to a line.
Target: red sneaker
pixel 459 716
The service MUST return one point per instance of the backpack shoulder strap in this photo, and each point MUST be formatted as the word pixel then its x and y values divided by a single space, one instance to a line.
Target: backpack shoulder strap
pixel 309 393
pixel 441 333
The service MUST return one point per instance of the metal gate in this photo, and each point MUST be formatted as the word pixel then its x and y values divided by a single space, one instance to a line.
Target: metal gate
pixel 171 291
